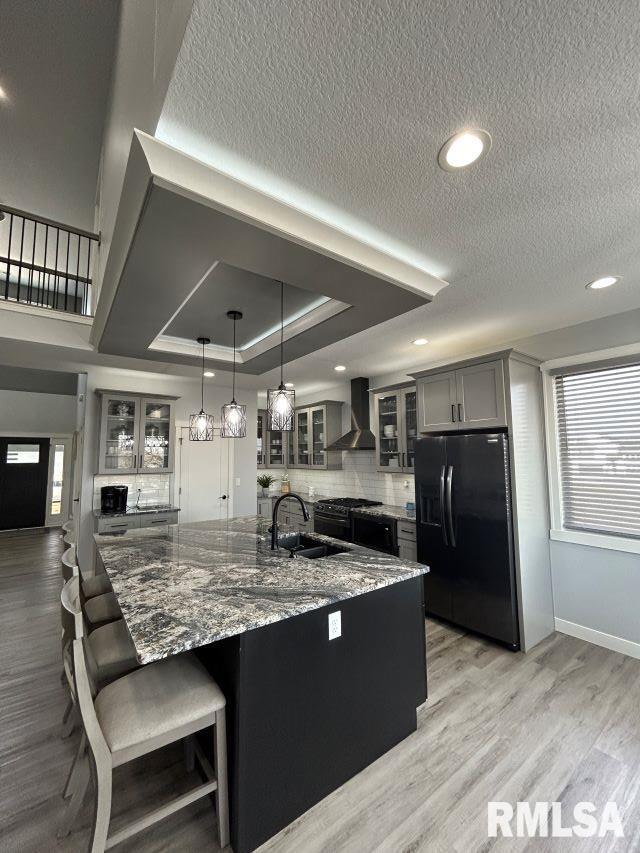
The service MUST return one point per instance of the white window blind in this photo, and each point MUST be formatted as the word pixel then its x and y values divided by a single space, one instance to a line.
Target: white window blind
pixel 598 422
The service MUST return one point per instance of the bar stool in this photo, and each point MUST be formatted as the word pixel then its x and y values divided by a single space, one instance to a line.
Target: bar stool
pixel 92 587
pixel 150 708
pixel 102 609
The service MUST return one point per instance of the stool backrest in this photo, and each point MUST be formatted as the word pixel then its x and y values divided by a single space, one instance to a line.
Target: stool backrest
pixel 69 538
pixel 69 564
pixel 85 692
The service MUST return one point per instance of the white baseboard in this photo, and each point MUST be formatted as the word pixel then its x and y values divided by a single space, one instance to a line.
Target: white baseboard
pixel 599 638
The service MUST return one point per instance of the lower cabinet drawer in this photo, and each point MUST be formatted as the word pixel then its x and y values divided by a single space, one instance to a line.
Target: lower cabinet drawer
pixel 118 524
pixel 406 531
pixel 407 550
pixel 156 519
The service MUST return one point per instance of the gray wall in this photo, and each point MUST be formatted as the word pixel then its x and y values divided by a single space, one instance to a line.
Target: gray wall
pixel 597 588
pixel 43 414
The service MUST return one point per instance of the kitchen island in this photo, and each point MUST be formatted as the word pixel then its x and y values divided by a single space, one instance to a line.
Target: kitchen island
pixel 312 698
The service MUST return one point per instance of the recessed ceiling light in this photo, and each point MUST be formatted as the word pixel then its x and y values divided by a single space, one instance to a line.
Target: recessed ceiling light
pixel 420 342
pixel 463 149
pixel 288 384
pixel 209 374
pixel 605 281
pixel 340 368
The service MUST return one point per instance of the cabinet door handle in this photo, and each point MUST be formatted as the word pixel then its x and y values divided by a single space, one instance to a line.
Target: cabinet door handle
pixel 460 412
pixel 453 414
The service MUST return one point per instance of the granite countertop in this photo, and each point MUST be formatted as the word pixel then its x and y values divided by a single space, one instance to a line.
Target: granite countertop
pixel 398 513
pixel 132 510
pixel 308 499
pixel 191 584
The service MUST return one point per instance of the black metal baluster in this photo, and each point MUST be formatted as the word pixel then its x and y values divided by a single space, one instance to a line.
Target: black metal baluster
pixel 44 266
pixel 6 283
pixel 86 287
pixel 75 303
pixel 66 281
pixel 33 260
pixel 20 263
pixel 55 284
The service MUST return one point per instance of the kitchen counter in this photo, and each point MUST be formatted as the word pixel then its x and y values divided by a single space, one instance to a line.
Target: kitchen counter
pixel 322 662
pixel 188 585
pixel 398 513
pixel 132 510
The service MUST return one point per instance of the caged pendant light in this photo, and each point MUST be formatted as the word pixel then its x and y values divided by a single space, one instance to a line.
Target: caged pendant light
pixel 281 401
pixel 201 425
pixel 234 417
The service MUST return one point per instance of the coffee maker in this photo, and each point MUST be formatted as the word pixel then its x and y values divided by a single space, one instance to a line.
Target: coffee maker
pixel 113 499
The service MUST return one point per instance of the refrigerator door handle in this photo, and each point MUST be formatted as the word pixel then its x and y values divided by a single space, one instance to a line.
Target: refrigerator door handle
pixel 452 535
pixel 443 517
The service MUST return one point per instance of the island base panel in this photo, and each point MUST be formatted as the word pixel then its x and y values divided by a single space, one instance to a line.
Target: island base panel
pixel 306 714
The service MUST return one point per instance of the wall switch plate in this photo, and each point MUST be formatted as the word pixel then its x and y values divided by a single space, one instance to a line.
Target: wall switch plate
pixel 237 481
pixel 335 624
pixel 406 484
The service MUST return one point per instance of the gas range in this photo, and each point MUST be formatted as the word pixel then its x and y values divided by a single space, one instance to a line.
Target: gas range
pixel 341 507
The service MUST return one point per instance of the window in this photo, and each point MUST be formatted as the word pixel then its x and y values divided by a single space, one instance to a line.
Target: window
pixel 56 482
pixel 598 441
pixel 23 454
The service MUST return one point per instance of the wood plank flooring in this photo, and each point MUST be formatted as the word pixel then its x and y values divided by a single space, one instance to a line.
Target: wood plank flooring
pixel 562 723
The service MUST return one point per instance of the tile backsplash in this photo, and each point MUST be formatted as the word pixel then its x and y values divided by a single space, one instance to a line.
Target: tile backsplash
pixel 358 478
pixel 154 488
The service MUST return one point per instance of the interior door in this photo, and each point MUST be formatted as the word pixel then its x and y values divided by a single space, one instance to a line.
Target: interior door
pixel 24 472
pixel 481 537
pixel 431 532
pixel 204 470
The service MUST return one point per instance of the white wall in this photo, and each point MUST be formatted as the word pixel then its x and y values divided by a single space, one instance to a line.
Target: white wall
pixel 597 589
pixel 188 390
pixel 45 414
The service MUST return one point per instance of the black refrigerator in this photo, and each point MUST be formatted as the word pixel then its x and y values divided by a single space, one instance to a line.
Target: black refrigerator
pixel 465 534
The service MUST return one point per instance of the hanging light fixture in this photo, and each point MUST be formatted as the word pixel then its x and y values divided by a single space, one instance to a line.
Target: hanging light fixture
pixel 201 425
pixel 281 401
pixel 234 417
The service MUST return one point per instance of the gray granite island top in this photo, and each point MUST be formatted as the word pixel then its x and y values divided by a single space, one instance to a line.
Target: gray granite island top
pixel 188 585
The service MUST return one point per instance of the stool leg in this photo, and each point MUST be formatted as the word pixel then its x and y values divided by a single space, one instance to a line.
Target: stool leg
pixel 100 830
pixel 75 803
pixel 222 795
pixel 71 781
pixel 69 720
pixel 189 754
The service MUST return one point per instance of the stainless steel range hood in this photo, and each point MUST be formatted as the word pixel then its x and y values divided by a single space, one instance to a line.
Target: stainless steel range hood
pixel 359 436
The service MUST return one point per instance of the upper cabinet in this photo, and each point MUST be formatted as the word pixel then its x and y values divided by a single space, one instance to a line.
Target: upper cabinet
pixel 316 427
pixel 136 434
pixel 470 397
pixel 397 428
pixel 262 439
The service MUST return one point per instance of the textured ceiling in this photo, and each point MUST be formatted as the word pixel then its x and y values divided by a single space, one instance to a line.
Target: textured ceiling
pixel 341 108
pixel 55 70
pixel 229 288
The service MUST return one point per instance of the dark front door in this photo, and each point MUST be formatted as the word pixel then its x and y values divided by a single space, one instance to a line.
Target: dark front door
pixel 431 528
pixel 24 469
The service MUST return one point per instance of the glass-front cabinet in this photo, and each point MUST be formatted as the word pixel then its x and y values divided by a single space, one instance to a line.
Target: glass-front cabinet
pixel 318 417
pixel 302 439
pixel 262 438
pixel 276 448
pixel 136 434
pixel 396 428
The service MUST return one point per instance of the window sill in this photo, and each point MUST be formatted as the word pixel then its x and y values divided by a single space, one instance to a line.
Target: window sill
pixel 597 540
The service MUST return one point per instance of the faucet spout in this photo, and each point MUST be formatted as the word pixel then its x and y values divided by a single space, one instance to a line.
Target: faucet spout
pixel 274 517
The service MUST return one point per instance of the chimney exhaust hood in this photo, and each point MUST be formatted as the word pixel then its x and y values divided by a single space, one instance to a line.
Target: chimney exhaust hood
pixel 359 436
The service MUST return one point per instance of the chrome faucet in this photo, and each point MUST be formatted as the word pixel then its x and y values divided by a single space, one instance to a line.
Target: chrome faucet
pixel 274 517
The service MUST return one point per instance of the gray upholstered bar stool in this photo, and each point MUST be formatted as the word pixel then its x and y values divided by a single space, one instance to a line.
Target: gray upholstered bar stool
pixel 92 587
pixel 150 708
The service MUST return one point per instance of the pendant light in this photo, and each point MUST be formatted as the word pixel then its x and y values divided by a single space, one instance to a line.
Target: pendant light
pixel 234 417
pixel 201 425
pixel 281 401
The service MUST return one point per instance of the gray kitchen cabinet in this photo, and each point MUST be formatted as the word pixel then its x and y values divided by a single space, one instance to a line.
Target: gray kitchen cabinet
pixel 396 428
pixel 470 397
pixel 118 524
pixel 276 448
pixel 136 434
pixel 315 427
pixel 264 507
pixel 480 395
pixel 154 519
pixel 261 446
pixel 438 402
pixel 407 546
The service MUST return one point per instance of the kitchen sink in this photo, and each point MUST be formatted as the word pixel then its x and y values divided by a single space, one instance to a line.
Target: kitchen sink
pixel 302 545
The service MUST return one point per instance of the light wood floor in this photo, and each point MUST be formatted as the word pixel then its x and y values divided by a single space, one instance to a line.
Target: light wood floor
pixel 562 723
